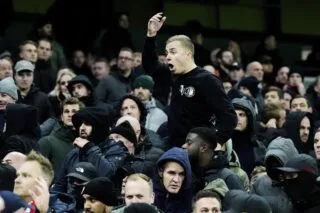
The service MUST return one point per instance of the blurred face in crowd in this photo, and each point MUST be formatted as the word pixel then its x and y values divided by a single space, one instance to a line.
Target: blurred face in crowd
pixel 299 104
pixel 172 176
pixel 138 191
pixel 24 80
pixel 255 69
pixel 282 75
pixel 305 129
pixel 177 55
pixel 68 111
pixel 5 100
pixel 26 178
pixel 195 147
pixel 162 59
pixel 124 141
pixel 100 69
pixel 78 58
pixel 46 30
pixel 295 79
pixel 267 68
pixel 236 75
pixel 271 97
pixel 270 42
pixel 85 130
pixel 91 205
pixel 207 204
pixel 130 107
pixel 227 86
pixel 125 60
pixel 286 100
pixel 316 145
pixel 5 69
pixel 63 83
pixel 44 50
pixel 29 53
pixel 124 21
pixel 242 120
pixel 137 59
pixel 142 93
pixel 79 90
pixel 245 91
pixel 226 58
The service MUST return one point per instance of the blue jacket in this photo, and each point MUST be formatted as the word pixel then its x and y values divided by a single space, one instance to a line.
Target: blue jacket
pixel 174 203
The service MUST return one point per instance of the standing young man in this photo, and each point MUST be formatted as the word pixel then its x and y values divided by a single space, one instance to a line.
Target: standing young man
pixel 198 97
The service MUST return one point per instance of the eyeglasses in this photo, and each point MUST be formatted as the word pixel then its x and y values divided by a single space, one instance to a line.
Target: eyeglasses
pixel 125 58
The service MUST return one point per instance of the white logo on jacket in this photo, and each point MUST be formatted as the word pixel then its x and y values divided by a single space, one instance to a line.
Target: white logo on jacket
pixel 189 92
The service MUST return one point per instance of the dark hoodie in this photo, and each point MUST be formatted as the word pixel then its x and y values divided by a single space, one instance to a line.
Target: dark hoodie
pixel 279 151
pixel 174 203
pixel 22 129
pixel 106 155
pixel 249 150
pixel 239 201
pixel 291 129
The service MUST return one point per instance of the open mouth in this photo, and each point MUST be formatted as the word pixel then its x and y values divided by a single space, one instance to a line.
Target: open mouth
pixel 171 67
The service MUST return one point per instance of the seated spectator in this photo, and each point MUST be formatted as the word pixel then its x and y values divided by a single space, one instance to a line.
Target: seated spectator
pixel 206 201
pixel 300 103
pixel 272 95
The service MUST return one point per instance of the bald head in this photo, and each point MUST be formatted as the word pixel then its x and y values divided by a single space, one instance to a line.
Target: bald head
pixel 15 159
pixel 255 69
pixel 133 122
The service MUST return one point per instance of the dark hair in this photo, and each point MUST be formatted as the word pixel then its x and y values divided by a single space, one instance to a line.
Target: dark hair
pixel 208 135
pixel 274 89
pixel 71 101
pixel 46 40
pixel 271 110
pixel 101 59
pixel 126 49
pixel 206 194
pixel 299 96
pixel 220 53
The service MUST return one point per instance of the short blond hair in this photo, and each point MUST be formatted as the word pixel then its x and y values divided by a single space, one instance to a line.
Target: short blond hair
pixel 184 40
pixel 143 177
pixel 46 166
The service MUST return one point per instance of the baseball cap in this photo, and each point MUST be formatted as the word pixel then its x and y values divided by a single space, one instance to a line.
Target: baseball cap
pixel 13 202
pixel 24 65
pixel 300 163
pixel 84 171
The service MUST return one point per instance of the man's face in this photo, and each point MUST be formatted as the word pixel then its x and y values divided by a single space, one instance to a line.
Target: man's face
pixel 5 100
pixel 24 79
pixel 267 68
pixel 44 50
pixel 26 179
pixel 176 57
pixel 207 204
pixel 92 205
pixel 5 69
pixel 256 70
pixel 142 93
pixel 299 104
pixel 271 97
pixel 63 83
pixel 138 191
pixel 79 90
pixel 316 145
pixel 227 87
pixel 124 21
pixel 282 75
pixel 130 107
pixel 295 79
pixel 242 120
pixel 29 53
pixel 227 58
pixel 125 60
pixel 100 70
pixel 137 60
pixel 192 145
pixel 172 176
pixel 85 130
pixel 305 129
pixel 78 58
pixel 46 30
pixel 67 113
pixel 162 59
pixel 236 75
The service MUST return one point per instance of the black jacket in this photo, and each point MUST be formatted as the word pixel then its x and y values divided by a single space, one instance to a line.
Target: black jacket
pixel 44 76
pixel 38 99
pixel 198 99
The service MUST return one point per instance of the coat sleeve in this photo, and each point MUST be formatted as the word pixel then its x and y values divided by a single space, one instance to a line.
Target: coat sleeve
pixel 224 113
pixel 234 182
pixel 107 163
pixel 61 183
pixel 45 147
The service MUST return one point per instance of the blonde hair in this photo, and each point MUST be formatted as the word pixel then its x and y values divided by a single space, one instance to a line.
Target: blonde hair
pixel 62 72
pixel 143 177
pixel 184 40
pixel 46 166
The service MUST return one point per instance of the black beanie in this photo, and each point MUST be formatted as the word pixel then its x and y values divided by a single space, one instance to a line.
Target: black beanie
pixel 144 81
pixel 125 129
pixel 140 208
pixel 207 134
pixel 103 190
pixel 251 83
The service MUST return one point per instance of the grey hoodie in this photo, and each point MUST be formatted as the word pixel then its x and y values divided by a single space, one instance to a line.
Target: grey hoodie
pixel 279 151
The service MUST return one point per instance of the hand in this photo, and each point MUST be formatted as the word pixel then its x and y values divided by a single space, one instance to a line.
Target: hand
pixel 301 89
pixel 80 142
pixel 40 195
pixel 155 23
